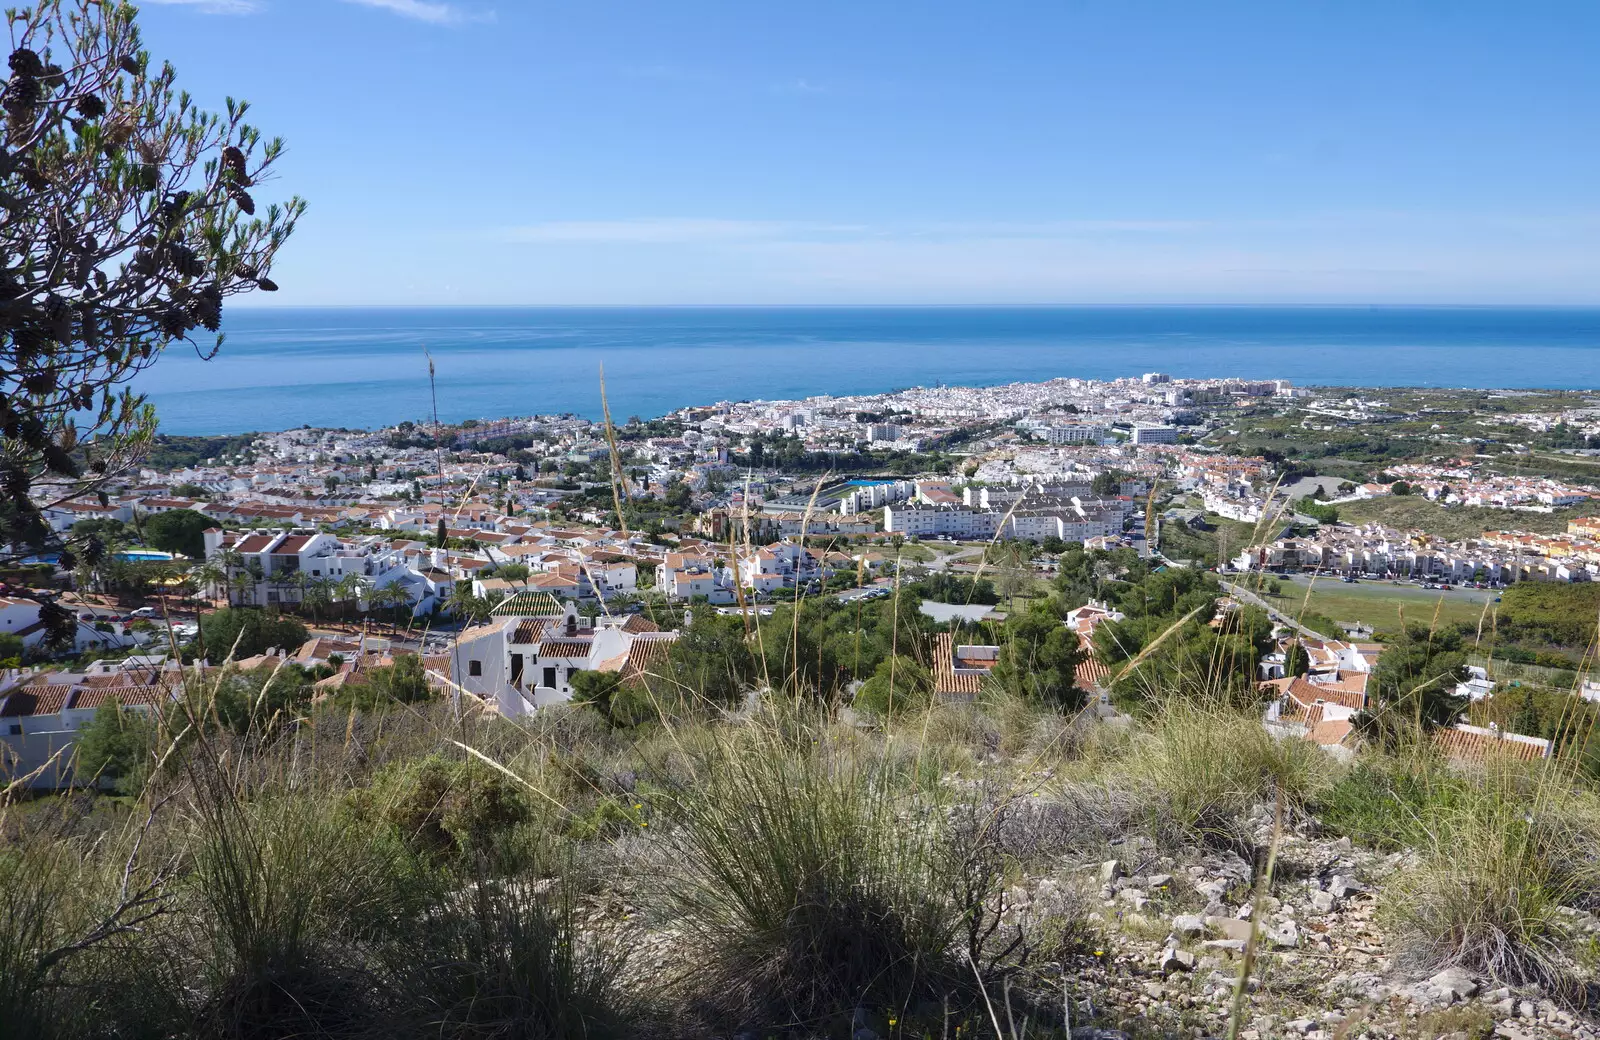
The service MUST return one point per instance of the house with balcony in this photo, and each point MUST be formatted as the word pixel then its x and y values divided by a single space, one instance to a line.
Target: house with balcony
pixel 524 657
pixel 683 576
pixel 42 713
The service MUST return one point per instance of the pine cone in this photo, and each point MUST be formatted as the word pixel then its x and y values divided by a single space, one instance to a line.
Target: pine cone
pixel 91 107
pixel 40 382
pixel 22 93
pixel 267 284
pixel 59 461
pixel 174 323
pixel 26 63
pixel 244 201
pixel 206 307
pixel 234 162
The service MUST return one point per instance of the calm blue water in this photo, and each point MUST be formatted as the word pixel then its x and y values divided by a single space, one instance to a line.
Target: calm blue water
pixel 362 367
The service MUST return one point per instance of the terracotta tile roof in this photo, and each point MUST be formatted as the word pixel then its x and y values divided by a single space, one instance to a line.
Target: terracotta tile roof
pixel 1308 693
pixel 947 680
pixel 1347 682
pixel 643 659
pixel 566 647
pixel 530 630
pixel 37 699
pixel 1465 743
pixel 1091 673
pixel 638 623
pixel 124 695
pixel 531 603
pixel 321 646
pixel 1305 715
pixel 1329 734
pixel 472 635
pixel 292 545
pixel 254 543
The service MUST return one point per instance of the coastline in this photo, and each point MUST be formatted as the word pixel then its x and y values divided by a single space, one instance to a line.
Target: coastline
pixel 286 367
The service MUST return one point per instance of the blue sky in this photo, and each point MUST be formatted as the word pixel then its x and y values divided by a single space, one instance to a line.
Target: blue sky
pixel 518 152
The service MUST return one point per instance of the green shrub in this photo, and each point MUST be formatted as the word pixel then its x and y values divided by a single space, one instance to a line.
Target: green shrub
pixel 899 685
pixel 1387 803
pixel 117 744
pixel 239 632
pixel 1206 769
pixel 1496 868
pixel 806 887
pixel 505 958
pixel 444 809
pixel 606 819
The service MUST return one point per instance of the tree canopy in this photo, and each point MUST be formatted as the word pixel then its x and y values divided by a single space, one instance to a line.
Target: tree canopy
pixel 178 531
pixel 241 632
pixel 129 220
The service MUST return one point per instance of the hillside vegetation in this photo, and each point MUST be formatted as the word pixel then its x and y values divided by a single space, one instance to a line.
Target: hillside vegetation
pixel 1454 522
pixel 700 865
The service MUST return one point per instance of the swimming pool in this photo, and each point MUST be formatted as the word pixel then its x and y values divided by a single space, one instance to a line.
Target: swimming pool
pixel 145 556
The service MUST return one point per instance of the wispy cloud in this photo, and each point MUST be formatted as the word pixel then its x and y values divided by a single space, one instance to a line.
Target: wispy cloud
pixel 670 229
pixel 215 6
pixel 801 86
pixel 711 230
pixel 430 11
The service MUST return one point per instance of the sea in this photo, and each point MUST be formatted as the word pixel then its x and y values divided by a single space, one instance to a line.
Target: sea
pixel 369 367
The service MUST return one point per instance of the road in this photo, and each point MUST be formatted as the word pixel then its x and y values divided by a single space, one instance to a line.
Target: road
pixel 942 561
pixel 1244 595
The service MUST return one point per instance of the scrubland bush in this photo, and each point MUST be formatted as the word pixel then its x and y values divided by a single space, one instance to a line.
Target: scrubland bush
pixel 1204 769
pixel 1385 801
pixel 504 957
pixel 441 808
pixel 1500 855
pixel 812 883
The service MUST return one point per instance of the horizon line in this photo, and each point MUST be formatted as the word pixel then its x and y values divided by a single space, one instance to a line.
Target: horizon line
pixel 1305 305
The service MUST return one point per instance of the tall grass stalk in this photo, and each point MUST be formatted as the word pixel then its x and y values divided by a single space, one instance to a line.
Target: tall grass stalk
pixel 812 883
pixel 1497 866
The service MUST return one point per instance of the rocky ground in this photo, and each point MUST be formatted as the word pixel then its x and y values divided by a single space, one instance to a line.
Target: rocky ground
pixel 1174 931
pixel 1138 942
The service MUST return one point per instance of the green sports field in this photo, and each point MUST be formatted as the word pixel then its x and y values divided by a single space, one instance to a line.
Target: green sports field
pixel 1378 604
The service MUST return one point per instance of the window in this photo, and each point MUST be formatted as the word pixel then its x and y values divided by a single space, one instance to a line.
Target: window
pixel 474 667
pixel 516 668
pixel 16 729
pixel 550 677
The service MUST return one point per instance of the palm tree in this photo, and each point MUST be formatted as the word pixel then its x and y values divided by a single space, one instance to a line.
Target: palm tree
pixel 349 588
pixel 317 592
pixel 461 601
pixel 300 581
pixel 390 595
pixel 208 576
pixel 231 563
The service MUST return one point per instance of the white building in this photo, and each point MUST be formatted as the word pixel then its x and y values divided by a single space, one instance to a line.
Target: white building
pixel 1076 433
pixel 41 713
pixel 940 522
pixel 1154 433
pixel 683 576
pixel 524 658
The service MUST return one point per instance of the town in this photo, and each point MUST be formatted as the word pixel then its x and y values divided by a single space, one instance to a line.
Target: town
pixel 509 557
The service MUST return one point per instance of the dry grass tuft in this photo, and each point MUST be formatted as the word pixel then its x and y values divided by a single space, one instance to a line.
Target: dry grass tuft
pixel 1498 862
